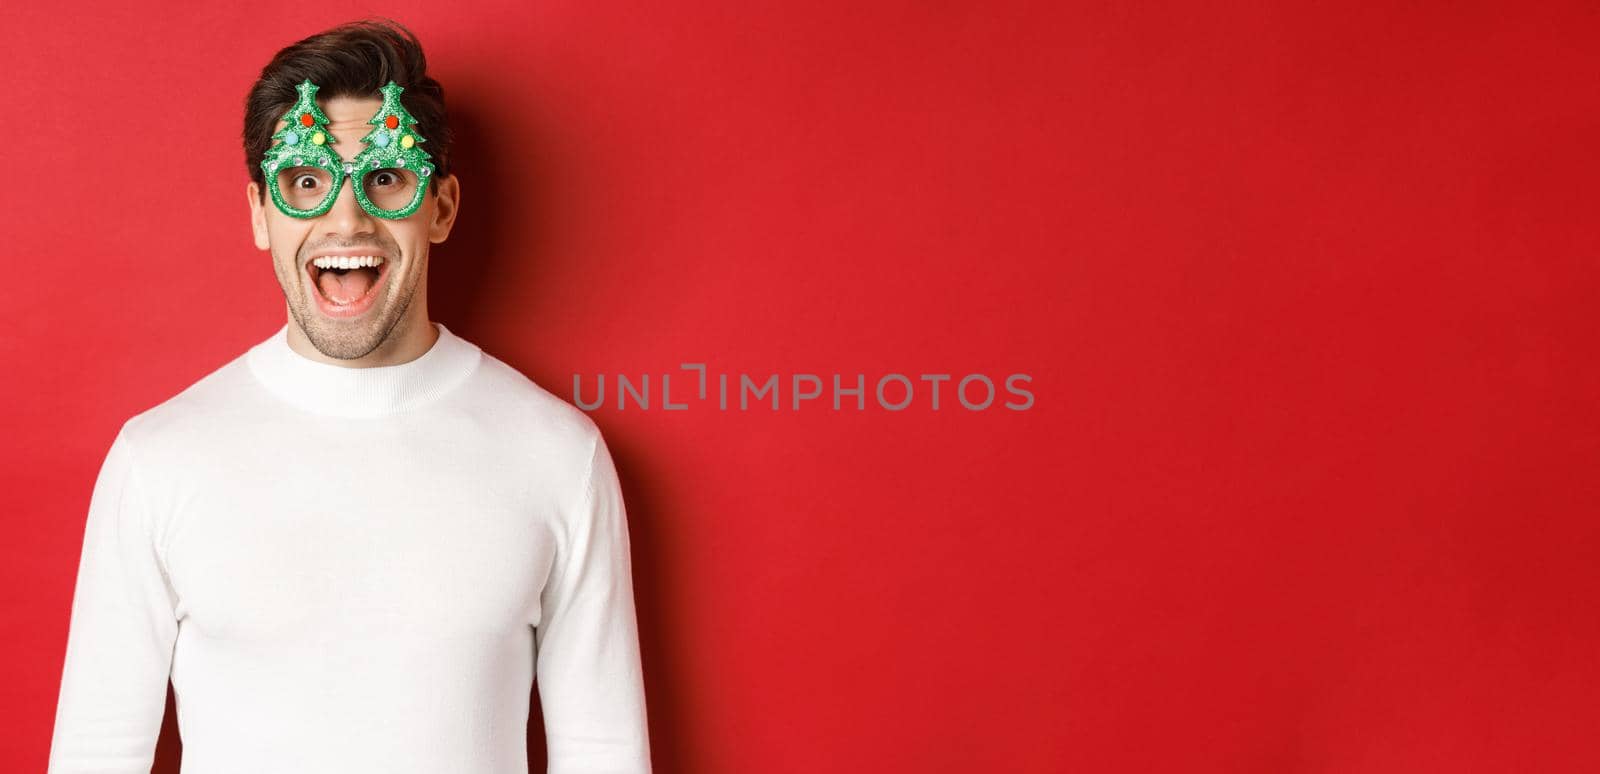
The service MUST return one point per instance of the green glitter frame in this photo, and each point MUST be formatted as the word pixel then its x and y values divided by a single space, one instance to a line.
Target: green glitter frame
pixel 298 145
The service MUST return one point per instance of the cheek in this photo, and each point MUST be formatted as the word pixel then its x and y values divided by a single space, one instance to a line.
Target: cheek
pixel 286 240
pixel 284 230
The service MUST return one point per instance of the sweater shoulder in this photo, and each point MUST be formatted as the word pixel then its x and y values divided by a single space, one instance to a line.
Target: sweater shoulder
pixel 207 404
pixel 530 410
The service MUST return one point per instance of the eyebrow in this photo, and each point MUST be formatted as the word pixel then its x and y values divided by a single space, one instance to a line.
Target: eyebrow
pixel 354 123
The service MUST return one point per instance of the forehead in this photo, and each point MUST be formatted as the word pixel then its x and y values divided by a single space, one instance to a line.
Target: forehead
pixel 347 121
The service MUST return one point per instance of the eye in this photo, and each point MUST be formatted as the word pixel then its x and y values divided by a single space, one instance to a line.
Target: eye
pixel 306 181
pixel 385 178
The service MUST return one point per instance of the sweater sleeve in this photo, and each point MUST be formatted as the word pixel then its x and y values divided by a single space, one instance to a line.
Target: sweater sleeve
pixel 586 647
pixel 120 634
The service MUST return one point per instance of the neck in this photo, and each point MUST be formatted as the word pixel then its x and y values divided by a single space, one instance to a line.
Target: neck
pixel 334 389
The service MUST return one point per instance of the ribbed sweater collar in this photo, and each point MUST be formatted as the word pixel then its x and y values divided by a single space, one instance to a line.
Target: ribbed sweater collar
pixel 323 388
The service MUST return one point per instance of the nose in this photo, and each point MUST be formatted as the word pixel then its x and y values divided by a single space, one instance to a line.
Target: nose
pixel 346 218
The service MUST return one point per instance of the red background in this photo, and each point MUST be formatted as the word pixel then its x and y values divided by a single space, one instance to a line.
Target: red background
pixel 1306 292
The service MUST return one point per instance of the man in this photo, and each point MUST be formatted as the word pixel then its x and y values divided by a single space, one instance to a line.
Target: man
pixel 352 548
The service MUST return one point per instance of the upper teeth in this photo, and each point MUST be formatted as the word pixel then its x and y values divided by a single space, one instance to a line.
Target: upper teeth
pixel 346 261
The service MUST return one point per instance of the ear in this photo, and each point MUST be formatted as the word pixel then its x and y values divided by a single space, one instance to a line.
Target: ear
pixel 446 203
pixel 258 216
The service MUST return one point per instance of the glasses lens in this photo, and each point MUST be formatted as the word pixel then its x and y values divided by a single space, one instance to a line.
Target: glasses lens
pixel 304 188
pixel 390 188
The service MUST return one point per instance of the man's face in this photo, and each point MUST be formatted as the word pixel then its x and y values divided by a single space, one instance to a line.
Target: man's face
pixel 349 313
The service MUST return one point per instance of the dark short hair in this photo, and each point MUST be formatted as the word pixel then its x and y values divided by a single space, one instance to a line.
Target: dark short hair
pixel 354 59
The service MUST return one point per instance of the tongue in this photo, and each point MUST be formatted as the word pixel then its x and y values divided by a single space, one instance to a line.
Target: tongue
pixel 346 287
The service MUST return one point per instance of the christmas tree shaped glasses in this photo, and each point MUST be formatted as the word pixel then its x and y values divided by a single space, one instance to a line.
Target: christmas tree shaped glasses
pixel 390 175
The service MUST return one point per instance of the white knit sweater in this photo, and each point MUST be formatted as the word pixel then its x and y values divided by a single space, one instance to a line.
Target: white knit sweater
pixel 348 570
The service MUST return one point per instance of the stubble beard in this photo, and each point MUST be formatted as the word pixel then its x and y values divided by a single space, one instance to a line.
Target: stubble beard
pixel 347 339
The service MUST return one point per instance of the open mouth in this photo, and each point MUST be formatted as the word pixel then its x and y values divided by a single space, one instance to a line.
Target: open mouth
pixel 347 284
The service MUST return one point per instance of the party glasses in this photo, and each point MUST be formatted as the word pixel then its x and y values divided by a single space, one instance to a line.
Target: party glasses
pixel 390 175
